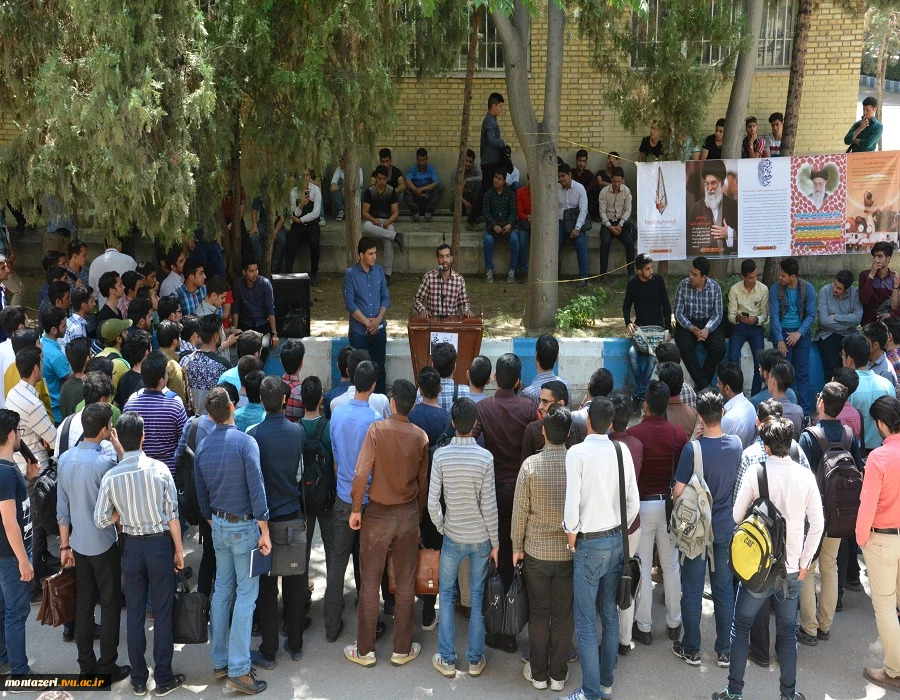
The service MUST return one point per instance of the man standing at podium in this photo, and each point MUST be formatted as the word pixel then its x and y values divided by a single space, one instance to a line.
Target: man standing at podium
pixel 443 291
pixel 367 300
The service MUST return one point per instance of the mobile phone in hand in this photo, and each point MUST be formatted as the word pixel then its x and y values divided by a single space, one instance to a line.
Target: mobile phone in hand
pixel 27 453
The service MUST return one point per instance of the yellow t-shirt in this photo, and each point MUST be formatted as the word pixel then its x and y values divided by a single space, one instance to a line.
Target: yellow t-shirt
pixel 120 365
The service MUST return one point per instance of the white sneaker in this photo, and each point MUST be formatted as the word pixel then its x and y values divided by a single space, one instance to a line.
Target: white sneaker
pixel 511 276
pixel 476 669
pixel 526 672
pixel 400 659
pixel 489 277
pixel 445 669
pixel 559 685
pixel 351 652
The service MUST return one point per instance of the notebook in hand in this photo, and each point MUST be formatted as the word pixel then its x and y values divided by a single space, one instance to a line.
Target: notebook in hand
pixel 260 563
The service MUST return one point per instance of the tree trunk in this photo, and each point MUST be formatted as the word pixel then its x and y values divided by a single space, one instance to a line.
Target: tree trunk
pixel 743 81
pixel 352 205
pixel 465 125
pixel 266 262
pixel 233 248
pixel 770 270
pixel 879 79
pixel 795 81
pixel 538 143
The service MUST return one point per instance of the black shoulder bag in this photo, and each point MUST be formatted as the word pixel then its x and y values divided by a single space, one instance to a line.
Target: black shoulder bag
pixel 631 569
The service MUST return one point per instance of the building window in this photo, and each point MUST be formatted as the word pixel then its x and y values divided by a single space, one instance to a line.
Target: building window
pixel 776 36
pixel 490 48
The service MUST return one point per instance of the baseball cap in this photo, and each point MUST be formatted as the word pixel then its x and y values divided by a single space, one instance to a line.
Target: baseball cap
pixel 112 328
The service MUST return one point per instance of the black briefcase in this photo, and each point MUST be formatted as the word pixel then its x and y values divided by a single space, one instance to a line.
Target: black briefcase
pixel 190 615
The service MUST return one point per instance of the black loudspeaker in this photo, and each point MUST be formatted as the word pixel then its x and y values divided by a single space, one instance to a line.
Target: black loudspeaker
pixel 292 304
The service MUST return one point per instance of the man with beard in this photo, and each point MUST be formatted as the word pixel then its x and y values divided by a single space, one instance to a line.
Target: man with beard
pixel 819 194
pixel 443 290
pixel 713 223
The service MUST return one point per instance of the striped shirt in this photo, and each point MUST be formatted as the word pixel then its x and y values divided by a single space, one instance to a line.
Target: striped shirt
pixel 142 492
pixel 539 506
pixel 464 473
pixel 533 390
pixel 33 417
pixel 228 474
pixel 164 419
pixel 448 388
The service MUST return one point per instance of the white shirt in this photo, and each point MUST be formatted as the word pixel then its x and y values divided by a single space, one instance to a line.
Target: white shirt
pixel 380 403
pixel 315 196
pixel 794 492
pixel 23 399
pixel 111 261
pixel 592 486
pixel 338 177
pixel 7 358
pixel 513 177
pixel 740 419
pixel 171 284
pixel 572 198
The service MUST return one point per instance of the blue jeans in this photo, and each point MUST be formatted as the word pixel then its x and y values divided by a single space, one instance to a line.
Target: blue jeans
pixel 377 347
pixel 598 567
pixel 642 365
pixel 452 555
pixel 581 249
pixel 747 606
pixel 693 573
pixel 14 607
pixel 743 333
pixel 798 355
pixel 233 543
pixel 515 238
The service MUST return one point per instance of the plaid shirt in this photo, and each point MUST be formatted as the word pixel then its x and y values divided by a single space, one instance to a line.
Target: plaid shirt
pixel 293 407
pixel 894 357
pixel 190 301
pixel 702 306
pixel 445 398
pixel 756 454
pixel 442 298
pixel 539 505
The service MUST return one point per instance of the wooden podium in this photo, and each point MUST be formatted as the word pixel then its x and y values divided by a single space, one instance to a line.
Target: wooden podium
pixel 462 332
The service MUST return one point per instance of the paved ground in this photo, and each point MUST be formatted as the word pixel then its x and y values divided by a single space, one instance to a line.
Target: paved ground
pixel 833 670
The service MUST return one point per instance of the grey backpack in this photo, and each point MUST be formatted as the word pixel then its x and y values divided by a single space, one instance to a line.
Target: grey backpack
pixel 690 528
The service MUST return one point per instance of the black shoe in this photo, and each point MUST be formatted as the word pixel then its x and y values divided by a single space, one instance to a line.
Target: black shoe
pixel 806 638
pixel 759 662
pixel 797 696
pixel 52 563
pixel 639 636
pixel 138 689
pixel 429 619
pixel 247 684
pixel 255 631
pixel 173 684
pixel 96 631
pixel 399 240
pixel 295 655
pixel 121 673
pixel 68 633
pixel 624 649
pixel 37 596
pixel 314 281
pixel 854 586
pixel 387 280
pixel 380 628
pixel 839 606
pixel 691 658
pixel 188 571
pixel 331 638
pixel 389 607
pixel 823 636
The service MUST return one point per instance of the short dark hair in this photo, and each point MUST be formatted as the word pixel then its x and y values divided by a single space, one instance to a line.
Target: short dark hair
pixel 441 247
pixel 893 328
pixel 701 264
pixel 56 291
pixel 190 324
pixel 146 269
pixel 732 376
pixel 404 394
pixel 557 424
pixel 885 247
pixel 249 343
pixel 856 347
pixel 311 392
pixel 246 365
pixel 494 98
pixel 246 262
pixel 251 384
pixel 51 259
pixel 480 372
pixel 270 391
pixel 356 357
pixel 130 431
pixel 107 282
pixel 709 407
pixel 191 266
pixel 777 434
pixel 767 358
pixel 292 354
pixel 464 413
pixel 790 265
pixel 834 397
pixel 382 170
pixel 845 277
pixel 770 408
pixel 51 318
pixel 581 153
pixel 509 370
pixel 600 383
pixel 153 369
pixel 672 376
pixel 364 376
pixel 101 364
pixel 443 359
pixel 783 374
pixel 887 410
pixel 95 418
pixel 622 404
pixel 218 404
pixel 470 153
pixel 12 318
pixel 75 246
pixel 210 327
pixel 97 386
pixel 365 244
pixel 384 153
pixel 429 382
pixel 167 332
pixel 748 266
pixel 173 254
pixel 234 395
pixel 547 352
pixel 130 280
pixel 619 171
pixel 668 352
pixel 776 117
pixel 600 414
pixel 80 297
pixel 749 120
pixel 78 350
pixel 558 390
pixel 137 346
pixel 563 168
pixel 641 261
pixel 23 338
pixel 27 359
pixel 56 273
pixel 657 397
pixel 342 358
pixel 138 309
pixel 217 285
pixel 876 332
pixel 870 102
pixel 846 376
pixel 166 306
pixel 419 153
pixel 9 421
pixel 720 122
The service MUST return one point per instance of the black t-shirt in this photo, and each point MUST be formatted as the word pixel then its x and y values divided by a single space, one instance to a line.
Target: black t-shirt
pixel 12 488
pixel 380 202
pixel 394 177
pixel 106 313
pixel 648 150
pixel 714 151
pixel 129 383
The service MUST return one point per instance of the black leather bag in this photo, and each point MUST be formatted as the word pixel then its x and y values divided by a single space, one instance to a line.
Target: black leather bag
pixel 631 570
pixel 492 602
pixel 288 547
pixel 515 605
pixel 190 615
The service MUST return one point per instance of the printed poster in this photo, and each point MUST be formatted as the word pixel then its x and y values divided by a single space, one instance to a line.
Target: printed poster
pixel 765 211
pixel 873 200
pixel 818 198
pixel 661 210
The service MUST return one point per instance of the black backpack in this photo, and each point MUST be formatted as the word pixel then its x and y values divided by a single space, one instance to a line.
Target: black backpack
pixel 840 482
pixel 45 485
pixel 188 505
pixel 317 480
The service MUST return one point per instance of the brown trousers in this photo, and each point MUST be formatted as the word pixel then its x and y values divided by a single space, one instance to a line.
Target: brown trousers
pixel 394 528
